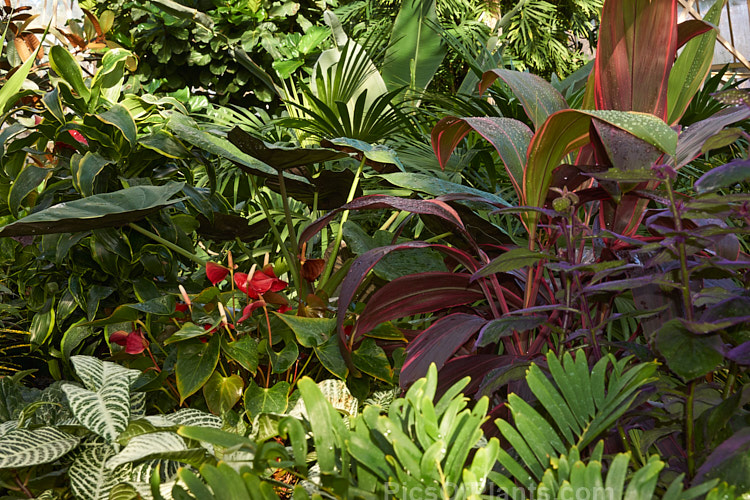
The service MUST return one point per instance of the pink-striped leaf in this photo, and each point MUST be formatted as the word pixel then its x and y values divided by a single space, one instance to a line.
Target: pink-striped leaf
pixel 538 97
pixel 417 294
pixel 637 47
pixel 509 137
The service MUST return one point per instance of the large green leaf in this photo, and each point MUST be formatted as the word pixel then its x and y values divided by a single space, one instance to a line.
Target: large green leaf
pixel 222 393
pixel 184 128
pixel 27 181
pixel 25 447
pixel 266 400
pixel 688 354
pixel 691 66
pixel 415 50
pixel 436 187
pixel 310 332
pixel 196 362
pixel 97 211
pixel 85 169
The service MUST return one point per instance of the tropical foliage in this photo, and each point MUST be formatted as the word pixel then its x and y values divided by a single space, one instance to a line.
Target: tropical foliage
pixel 357 252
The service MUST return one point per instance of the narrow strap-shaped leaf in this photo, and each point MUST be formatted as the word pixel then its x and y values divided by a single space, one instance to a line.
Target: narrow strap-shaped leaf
pixel 553 403
pixel 693 63
pixel 538 433
pixel 538 97
pixel 522 449
pixel 636 49
pixel 618 470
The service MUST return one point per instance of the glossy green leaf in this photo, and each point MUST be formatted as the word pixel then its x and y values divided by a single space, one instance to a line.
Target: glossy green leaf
pixel 414 51
pixel 538 97
pixel 329 355
pixel 372 360
pixel 244 351
pixel 187 331
pixel 222 393
pixel 196 362
pixel 27 181
pixel 436 187
pixel 266 400
pixel 119 117
pixel 511 260
pixel 165 144
pixel 97 211
pixel 692 66
pixel 85 169
pixel 187 130
pixel 688 355
pixel 73 337
pixel 68 68
pixel 13 84
pixel 310 332
pixel 41 327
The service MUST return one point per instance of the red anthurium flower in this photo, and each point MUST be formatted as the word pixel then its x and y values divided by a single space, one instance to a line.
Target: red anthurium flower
pixel 261 282
pixel 181 307
pixel 283 309
pixel 247 312
pixel 133 342
pixel 216 273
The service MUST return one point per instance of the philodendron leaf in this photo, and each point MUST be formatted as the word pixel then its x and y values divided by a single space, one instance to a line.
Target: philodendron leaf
pixel 266 400
pixel 688 355
pixel 196 362
pixel 95 212
pixel 26 447
pixel 280 157
pixel 106 410
pixel 310 332
pixel 89 475
pixel 737 170
pixel 222 393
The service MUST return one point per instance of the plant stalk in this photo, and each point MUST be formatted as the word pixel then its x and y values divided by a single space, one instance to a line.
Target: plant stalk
pixel 689 430
pixel 168 244
pixel 340 233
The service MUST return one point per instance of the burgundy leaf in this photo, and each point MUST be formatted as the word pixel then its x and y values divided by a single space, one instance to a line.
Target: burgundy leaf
pixel 437 344
pixel 740 354
pixel 477 366
pixel 365 262
pixel 691 28
pixel 416 294
pixel 738 444
pixel 691 141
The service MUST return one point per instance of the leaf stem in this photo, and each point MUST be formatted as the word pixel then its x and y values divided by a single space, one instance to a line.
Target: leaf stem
pixel 168 244
pixel 687 301
pixel 340 233
pixel 689 430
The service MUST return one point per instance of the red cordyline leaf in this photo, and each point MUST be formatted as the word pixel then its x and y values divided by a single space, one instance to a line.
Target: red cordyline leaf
pixel 78 137
pixel 216 272
pixel 133 342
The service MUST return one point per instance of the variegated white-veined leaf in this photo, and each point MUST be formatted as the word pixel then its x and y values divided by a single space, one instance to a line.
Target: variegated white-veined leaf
pixel 137 428
pixel 137 404
pixel 95 373
pixel 90 478
pixel 165 445
pixel 8 426
pixel 336 392
pixel 143 471
pixel 105 412
pixel 25 447
pixel 134 490
pixel 189 416
pixel 47 495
